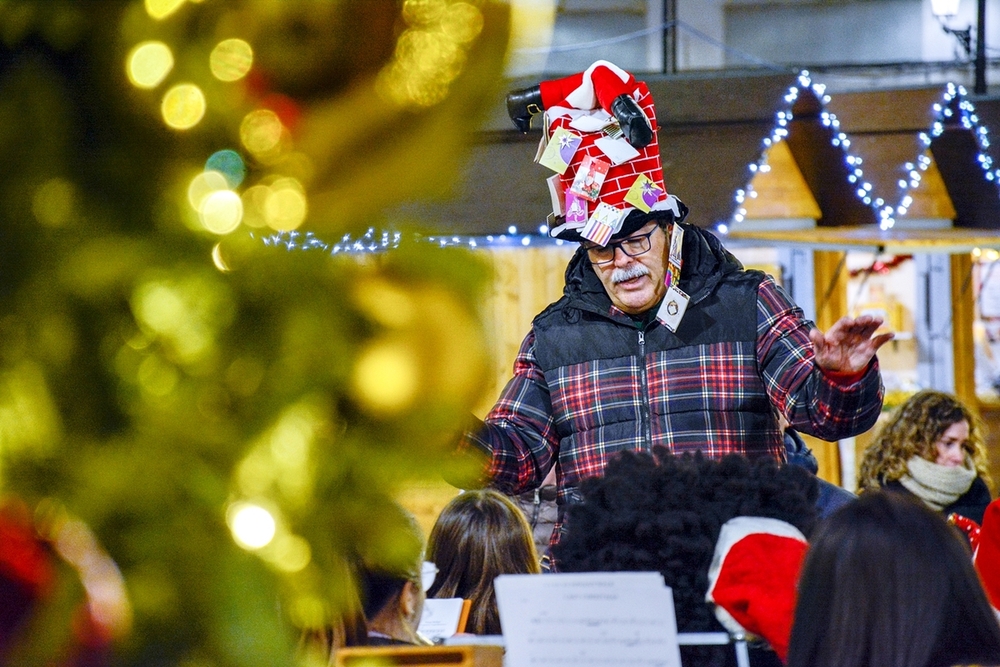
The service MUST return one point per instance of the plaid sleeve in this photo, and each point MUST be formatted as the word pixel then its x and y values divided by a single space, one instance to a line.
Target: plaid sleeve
pixel 825 407
pixel 519 433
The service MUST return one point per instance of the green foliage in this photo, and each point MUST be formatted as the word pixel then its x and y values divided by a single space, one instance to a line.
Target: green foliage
pixel 153 375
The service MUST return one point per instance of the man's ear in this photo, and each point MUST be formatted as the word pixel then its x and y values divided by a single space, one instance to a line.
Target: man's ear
pixel 409 599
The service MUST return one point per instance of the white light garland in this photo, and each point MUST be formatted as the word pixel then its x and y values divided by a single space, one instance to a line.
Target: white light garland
pixel 967 119
pixel 380 241
pixel 373 241
pixel 780 131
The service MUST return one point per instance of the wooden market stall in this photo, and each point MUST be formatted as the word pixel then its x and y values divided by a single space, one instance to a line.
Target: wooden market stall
pixel 917 166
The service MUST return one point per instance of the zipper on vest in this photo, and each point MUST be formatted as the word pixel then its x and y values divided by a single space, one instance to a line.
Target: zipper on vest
pixel 647 436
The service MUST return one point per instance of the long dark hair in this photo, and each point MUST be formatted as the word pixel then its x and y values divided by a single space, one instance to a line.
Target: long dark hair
pixel 478 536
pixel 888 583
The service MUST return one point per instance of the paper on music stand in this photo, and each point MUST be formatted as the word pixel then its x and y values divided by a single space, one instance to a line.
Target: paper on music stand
pixel 441 618
pixel 588 619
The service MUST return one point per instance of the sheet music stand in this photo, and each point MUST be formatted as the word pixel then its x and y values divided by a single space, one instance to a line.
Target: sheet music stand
pixel 718 639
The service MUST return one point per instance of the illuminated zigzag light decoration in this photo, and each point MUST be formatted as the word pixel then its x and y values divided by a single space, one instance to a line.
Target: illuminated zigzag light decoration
pixel 970 121
pixel 855 176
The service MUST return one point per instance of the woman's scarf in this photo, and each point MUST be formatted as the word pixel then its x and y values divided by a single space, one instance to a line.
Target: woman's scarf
pixel 938 486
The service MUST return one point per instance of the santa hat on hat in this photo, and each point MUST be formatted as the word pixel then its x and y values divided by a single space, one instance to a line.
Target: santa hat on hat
pixel 753 577
pixel 987 553
pixel 599 137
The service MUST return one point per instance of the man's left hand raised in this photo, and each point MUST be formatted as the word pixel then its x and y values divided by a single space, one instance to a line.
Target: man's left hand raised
pixel 848 346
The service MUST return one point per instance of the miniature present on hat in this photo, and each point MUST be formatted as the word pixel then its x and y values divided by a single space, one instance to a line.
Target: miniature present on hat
pixel 599 137
pixel 753 577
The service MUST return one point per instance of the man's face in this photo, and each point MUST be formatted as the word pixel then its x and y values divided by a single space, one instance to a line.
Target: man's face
pixel 636 284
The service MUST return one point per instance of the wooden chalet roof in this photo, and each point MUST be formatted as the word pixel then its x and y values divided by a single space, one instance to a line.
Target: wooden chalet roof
pixel 885 128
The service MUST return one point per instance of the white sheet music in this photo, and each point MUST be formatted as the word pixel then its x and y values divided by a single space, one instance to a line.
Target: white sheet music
pixel 440 617
pixel 588 619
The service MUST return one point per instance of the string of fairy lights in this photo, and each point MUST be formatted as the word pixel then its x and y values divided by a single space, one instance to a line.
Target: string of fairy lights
pixel 840 139
pixel 377 241
pixel 945 115
pixel 380 240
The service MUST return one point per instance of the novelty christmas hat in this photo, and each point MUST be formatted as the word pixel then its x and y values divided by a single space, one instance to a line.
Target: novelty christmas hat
pixel 605 188
pixel 987 553
pixel 753 576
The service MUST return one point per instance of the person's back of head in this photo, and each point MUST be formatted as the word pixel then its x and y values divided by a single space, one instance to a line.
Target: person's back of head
pixel 389 578
pixel 478 536
pixel 664 513
pixel 888 583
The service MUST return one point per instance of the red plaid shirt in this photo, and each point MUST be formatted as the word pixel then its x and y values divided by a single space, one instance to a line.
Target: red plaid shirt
pixel 717 396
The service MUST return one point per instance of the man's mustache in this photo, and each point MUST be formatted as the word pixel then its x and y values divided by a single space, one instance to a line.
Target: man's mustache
pixel 628 273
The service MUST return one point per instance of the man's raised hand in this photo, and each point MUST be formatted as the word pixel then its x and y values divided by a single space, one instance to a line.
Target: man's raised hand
pixel 848 346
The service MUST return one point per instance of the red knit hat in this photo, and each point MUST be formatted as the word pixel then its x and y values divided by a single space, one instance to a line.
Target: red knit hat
pixel 987 553
pixel 753 577
pixel 604 188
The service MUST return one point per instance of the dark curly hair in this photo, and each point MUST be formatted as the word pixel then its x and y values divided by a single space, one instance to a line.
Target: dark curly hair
pixel 663 513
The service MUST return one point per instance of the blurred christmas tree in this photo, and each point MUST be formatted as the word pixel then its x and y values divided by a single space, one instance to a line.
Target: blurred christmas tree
pixel 229 419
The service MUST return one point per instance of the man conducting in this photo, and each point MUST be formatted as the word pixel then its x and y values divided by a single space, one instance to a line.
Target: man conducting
pixel 661 336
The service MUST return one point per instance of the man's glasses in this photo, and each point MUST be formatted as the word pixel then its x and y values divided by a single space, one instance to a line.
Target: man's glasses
pixel 633 246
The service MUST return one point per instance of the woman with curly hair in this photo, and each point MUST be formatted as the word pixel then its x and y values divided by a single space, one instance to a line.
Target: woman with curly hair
pixel 932 446
pixel 478 536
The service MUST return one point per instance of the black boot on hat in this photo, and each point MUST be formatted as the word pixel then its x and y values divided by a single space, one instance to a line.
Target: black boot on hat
pixel 635 126
pixel 523 104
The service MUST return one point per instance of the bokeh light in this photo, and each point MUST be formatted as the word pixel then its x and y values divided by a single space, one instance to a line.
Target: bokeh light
pixel 386 303
pixel 230 164
pixel 291 553
pixel 184 314
pixel 462 22
pixel 252 526
pixel 159 306
pixel 386 377
pixel 261 131
pixel 149 63
pixel 156 376
pixel 231 59
pixel 107 599
pixel 254 202
pixel 285 207
pixel 430 53
pixel 53 202
pixel 221 211
pixel 183 106
pixel 203 185
pixel 218 259
pixel 161 9
pixel 29 418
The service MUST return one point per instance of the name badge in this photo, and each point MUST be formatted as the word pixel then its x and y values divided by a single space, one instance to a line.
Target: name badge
pixel 672 309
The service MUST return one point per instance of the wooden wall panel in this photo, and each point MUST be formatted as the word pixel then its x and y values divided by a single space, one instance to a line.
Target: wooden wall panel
pixel 963 313
pixel 831 304
pixel 526 280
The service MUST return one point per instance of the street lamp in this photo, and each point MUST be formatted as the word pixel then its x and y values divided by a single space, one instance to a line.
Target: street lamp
pixel 944 10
